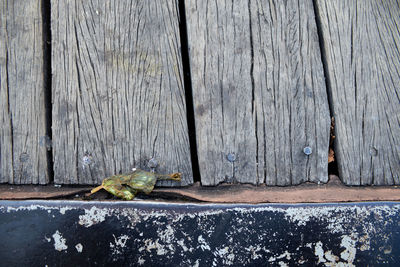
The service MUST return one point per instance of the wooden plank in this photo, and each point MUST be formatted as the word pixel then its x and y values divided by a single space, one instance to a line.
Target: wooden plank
pixel 22 111
pixel 361 42
pixel 220 56
pixel 118 94
pixel 292 110
pixel 259 92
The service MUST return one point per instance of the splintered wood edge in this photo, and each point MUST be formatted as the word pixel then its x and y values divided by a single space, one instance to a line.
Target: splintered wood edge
pixel 334 191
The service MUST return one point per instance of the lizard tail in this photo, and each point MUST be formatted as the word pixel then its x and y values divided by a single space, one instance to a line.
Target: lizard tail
pixel 94 190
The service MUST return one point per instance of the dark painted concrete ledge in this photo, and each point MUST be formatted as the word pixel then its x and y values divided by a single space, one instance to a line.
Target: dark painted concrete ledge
pixel 77 233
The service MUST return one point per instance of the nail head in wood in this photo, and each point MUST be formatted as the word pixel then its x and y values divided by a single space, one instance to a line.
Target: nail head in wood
pixel 152 163
pixel 307 150
pixel 231 157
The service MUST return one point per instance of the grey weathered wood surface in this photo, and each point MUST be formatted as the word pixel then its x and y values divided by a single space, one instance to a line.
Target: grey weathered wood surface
pixel 259 92
pixel 361 43
pixel 22 111
pixel 118 93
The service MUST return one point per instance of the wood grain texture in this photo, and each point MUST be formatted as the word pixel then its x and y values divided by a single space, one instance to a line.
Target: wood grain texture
pixel 220 55
pixel 259 92
pixel 361 42
pixel 291 103
pixel 22 111
pixel 118 94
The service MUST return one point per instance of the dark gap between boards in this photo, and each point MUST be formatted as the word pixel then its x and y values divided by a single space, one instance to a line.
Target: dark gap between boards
pixel 46 27
pixel 187 81
pixel 332 166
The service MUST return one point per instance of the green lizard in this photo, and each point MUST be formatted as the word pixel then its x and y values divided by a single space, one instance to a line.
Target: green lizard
pixel 126 186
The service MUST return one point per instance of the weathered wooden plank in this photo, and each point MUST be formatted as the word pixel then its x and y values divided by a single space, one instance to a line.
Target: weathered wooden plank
pixel 118 94
pixel 361 42
pixel 259 92
pixel 292 110
pixel 220 55
pixel 22 111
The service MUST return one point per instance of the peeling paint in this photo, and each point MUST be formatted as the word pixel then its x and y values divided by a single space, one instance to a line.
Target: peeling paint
pixel 226 254
pixel 150 245
pixel 364 242
pixel 329 259
pixel 141 261
pixel 349 254
pixel 59 241
pixel 332 259
pixel 79 247
pixel 64 209
pixel 203 243
pixel 196 263
pixel 286 255
pixel 319 252
pixel 183 246
pixel 93 216
pixel 222 235
pixel 119 244
pixel 254 251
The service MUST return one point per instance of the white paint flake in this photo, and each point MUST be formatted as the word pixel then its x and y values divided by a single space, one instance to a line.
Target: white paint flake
pixel 79 247
pixel 203 243
pixel 182 244
pixel 331 258
pixel 253 250
pixel 119 244
pixel 285 254
pixel 225 254
pixel 150 244
pixel 365 242
pixel 31 207
pixel 59 241
pixel 93 216
pixel 141 261
pixel 49 209
pixel 349 254
pixel 319 252
pixel 167 235
pixel 64 209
